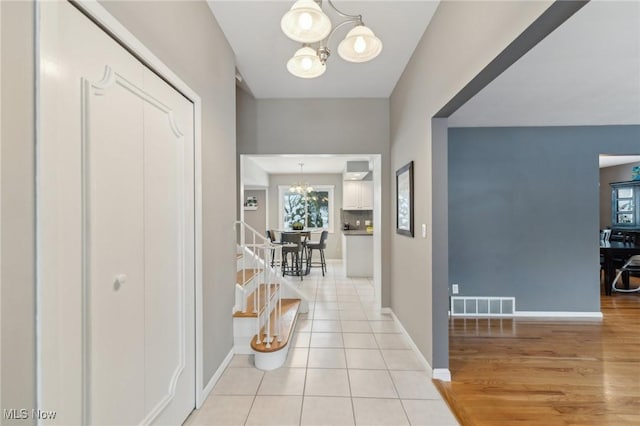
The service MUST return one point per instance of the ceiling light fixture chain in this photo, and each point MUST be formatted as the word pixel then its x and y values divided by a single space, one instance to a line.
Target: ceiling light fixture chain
pixel 306 23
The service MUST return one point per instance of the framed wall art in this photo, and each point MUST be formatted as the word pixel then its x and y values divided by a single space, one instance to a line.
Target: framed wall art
pixel 404 200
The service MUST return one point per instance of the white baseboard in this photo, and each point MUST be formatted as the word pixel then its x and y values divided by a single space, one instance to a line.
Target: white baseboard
pixel 214 379
pixel 421 357
pixel 558 314
pixel 442 374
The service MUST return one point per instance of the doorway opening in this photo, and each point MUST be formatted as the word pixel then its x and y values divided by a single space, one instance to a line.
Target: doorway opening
pixel 619 187
pixel 275 173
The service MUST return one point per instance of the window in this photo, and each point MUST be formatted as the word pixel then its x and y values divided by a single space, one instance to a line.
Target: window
pixel 315 210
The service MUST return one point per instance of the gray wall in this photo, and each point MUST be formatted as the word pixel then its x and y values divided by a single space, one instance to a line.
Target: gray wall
pixel 18 208
pixel 188 39
pixel 321 126
pixel 334 244
pixel 257 219
pixel 461 39
pixel 523 212
pixel 619 173
pixel 246 122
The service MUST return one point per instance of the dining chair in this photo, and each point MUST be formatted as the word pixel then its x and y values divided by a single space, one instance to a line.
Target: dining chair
pixel 292 248
pixel 631 266
pixel 320 246
pixel 271 234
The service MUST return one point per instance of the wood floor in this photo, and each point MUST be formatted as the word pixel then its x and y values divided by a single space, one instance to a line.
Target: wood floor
pixel 533 372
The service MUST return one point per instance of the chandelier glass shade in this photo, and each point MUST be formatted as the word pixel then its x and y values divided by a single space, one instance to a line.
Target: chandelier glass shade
pixel 306 23
pixel 306 64
pixel 360 45
pixel 301 187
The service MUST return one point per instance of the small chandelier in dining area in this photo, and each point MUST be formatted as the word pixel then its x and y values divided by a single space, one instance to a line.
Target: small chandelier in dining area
pixel 301 187
pixel 306 23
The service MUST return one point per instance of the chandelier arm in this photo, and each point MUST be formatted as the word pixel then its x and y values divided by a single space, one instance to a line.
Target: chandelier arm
pixel 357 20
pixel 344 15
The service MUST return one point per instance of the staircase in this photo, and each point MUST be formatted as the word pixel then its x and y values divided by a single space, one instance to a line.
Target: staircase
pixel 266 304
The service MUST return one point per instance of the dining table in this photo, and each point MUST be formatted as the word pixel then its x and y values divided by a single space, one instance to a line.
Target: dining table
pixel 303 265
pixel 611 250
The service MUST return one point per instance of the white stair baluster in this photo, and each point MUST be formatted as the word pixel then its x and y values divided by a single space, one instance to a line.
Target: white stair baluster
pixel 279 320
pixel 256 298
pixel 244 256
pixel 258 315
pixel 268 310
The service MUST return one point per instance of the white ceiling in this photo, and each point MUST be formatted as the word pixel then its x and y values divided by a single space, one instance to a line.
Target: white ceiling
pixel 585 72
pixel 290 164
pixel 262 50
pixel 616 160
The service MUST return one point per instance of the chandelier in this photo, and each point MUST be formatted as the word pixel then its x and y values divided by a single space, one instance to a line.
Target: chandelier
pixel 306 23
pixel 301 187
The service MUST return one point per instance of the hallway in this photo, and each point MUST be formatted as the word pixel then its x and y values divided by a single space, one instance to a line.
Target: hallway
pixel 348 365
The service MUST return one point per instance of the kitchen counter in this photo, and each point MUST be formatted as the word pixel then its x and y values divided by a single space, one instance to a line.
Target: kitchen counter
pixel 356 232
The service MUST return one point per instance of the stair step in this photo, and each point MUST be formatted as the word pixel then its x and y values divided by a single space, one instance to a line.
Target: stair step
pixel 261 302
pixel 289 312
pixel 248 275
pixel 239 255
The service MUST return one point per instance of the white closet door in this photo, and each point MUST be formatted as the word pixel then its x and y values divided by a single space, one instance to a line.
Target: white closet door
pixel 116 231
pixel 114 241
pixel 169 245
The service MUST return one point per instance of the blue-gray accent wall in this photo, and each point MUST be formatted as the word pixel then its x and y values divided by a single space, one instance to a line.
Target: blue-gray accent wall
pixel 524 212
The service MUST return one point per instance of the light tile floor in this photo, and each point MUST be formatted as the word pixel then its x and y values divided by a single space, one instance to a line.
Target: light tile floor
pixel 348 365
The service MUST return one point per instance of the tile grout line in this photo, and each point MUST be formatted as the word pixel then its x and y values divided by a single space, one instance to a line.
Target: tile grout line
pixel 353 407
pixel 306 368
pixel 253 401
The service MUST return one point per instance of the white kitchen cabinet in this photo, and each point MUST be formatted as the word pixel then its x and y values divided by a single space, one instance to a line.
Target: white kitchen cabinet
pixel 357 195
pixel 366 195
pixel 350 195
